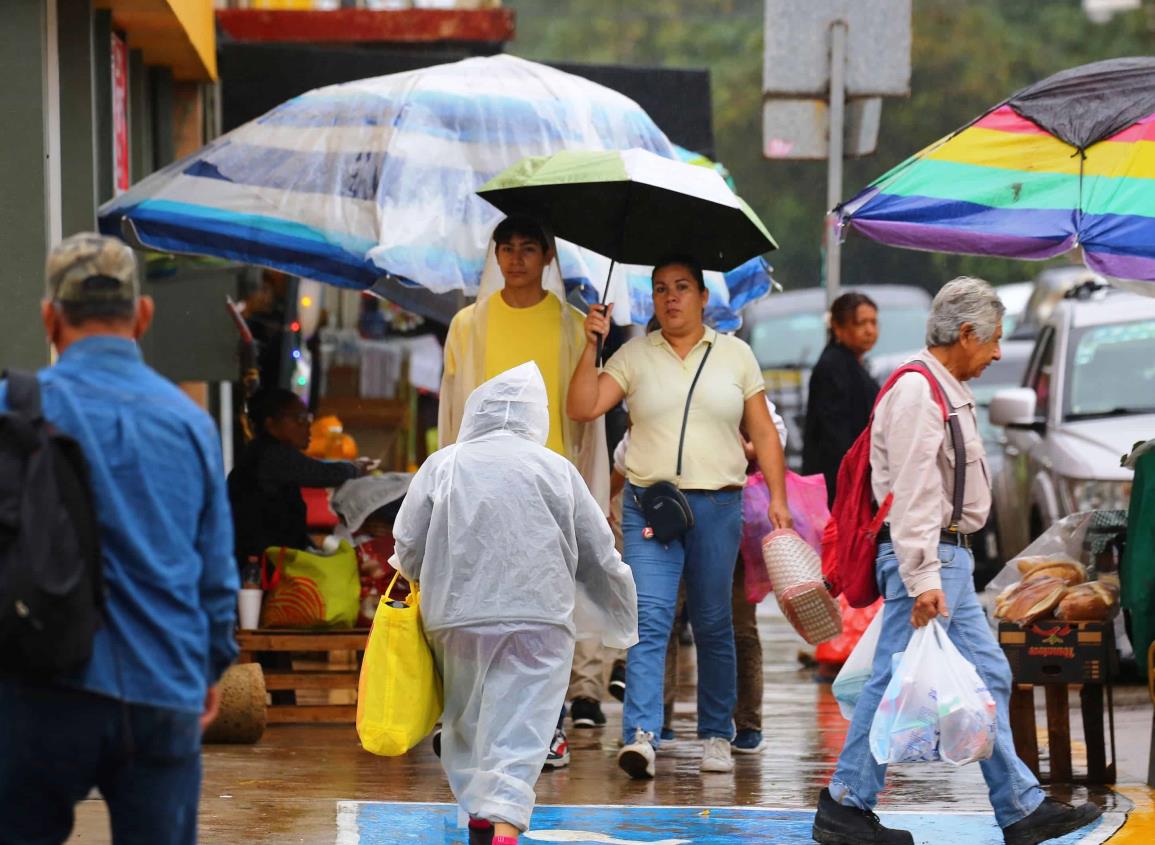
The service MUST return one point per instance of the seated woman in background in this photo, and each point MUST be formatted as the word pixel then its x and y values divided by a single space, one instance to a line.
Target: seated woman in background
pixel 842 391
pixel 367 508
pixel 265 486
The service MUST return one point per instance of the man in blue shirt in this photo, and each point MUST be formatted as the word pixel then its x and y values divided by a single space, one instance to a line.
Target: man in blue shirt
pixel 130 722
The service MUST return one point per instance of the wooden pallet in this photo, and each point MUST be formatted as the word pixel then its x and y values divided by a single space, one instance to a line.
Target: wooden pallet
pixel 322 670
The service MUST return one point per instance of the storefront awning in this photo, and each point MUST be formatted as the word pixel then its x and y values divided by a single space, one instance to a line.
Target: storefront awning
pixel 178 34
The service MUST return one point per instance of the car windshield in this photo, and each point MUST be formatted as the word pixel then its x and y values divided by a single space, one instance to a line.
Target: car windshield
pixel 789 340
pixel 900 329
pixel 1112 370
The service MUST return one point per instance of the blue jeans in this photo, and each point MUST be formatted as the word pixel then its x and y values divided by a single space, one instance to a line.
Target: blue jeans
pixel 57 743
pixel 705 558
pixel 1014 790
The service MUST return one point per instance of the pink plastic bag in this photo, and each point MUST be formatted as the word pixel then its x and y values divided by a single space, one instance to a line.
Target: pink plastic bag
pixel 806 498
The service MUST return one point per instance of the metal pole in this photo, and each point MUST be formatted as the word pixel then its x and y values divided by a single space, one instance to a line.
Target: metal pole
pixel 837 113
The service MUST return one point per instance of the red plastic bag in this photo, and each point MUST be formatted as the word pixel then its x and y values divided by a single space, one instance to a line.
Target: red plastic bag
pixel 855 621
pixel 806 498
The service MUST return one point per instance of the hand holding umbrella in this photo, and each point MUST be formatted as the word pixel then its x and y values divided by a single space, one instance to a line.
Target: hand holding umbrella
pixel 597 324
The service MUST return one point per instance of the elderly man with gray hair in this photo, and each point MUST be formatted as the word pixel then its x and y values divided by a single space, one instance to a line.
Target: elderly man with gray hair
pixel 924 571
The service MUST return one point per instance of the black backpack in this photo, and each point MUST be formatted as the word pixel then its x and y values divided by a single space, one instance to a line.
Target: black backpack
pixel 51 587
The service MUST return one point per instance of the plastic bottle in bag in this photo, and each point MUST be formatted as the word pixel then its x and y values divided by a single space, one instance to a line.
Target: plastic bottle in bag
pixel 935 707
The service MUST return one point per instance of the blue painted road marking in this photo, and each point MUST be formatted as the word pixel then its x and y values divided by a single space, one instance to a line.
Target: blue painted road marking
pixel 374 823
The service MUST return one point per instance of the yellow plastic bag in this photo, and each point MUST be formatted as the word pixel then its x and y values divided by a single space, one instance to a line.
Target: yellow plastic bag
pixel 309 590
pixel 399 695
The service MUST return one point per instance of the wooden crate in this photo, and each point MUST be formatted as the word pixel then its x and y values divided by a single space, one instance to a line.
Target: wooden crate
pixel 1058 655
pixel 322 666
pixel 1049 651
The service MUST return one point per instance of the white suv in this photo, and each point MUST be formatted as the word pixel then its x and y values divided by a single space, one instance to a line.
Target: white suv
pixel 1088 397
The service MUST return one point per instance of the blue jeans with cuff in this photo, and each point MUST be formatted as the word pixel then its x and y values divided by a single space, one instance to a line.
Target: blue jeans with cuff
pixel 705 558
pixel 1014 790
pixel 57 743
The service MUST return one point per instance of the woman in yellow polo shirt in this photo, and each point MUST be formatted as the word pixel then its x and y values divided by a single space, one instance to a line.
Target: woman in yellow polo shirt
pixel 653 374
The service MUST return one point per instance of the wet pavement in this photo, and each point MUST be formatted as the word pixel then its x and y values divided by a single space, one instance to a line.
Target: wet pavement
pixel 314 785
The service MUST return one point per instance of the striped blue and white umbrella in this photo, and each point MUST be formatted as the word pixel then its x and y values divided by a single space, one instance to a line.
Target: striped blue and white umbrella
pixel 370 184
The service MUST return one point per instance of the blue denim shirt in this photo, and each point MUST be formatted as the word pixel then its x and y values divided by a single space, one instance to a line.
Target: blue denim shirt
pixel 165 529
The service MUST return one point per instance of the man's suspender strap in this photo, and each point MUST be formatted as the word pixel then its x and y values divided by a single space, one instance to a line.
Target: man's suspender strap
pixel 951 419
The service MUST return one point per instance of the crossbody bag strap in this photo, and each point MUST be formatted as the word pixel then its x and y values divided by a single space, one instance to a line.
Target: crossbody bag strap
pixel 686 412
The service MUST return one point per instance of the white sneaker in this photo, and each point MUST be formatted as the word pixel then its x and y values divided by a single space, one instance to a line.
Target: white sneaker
pixel 716 755
pixel 637 758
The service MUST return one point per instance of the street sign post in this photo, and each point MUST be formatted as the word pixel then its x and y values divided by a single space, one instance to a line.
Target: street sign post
pixel 824 52
pixel 800 129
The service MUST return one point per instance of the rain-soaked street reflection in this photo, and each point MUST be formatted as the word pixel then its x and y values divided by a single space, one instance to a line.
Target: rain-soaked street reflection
pixel 289 787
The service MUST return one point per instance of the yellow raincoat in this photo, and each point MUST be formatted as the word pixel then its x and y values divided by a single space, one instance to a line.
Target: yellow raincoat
pixel 585 443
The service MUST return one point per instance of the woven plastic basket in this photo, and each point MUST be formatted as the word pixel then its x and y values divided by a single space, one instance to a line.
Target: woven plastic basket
pixel 795 570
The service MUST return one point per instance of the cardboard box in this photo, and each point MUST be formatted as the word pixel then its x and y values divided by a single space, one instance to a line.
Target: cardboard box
pixel 1052 652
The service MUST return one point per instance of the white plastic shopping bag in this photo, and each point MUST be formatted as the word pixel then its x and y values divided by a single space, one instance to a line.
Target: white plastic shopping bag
pixel 935 707
pixel 967 718
pixel 855 672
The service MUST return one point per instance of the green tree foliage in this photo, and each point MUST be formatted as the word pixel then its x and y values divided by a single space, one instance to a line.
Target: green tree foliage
pixel 966 57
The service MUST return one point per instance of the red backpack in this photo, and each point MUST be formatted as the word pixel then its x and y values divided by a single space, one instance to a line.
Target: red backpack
pixel 850 540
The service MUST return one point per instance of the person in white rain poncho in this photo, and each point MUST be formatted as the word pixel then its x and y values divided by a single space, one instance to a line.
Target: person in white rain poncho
pixel 502 533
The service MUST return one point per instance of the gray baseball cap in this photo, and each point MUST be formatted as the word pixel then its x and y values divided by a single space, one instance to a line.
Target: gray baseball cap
pixel 87 267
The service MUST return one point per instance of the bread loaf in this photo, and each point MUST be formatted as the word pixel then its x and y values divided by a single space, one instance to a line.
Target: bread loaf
pixel 1071 571
pixel 1028 600
pixel 1090 602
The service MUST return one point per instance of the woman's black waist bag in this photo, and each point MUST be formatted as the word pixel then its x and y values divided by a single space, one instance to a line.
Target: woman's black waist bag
pixel 666 508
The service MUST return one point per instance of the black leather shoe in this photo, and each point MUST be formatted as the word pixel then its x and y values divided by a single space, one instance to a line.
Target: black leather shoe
pixel 618 680
pixel 587 713
pixel 1052 819
pixel 835 824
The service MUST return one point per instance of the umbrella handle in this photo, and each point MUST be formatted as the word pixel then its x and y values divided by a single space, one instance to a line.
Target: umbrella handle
pixel 601 343
pixel 602 305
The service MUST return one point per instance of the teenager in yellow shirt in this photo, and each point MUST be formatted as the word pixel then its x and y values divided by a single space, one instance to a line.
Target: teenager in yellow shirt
pixel 521 315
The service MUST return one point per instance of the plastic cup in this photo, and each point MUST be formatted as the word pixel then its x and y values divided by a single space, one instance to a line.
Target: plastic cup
pixel 249 607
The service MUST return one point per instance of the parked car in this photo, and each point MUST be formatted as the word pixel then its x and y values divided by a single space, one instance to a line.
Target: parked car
pixel 787 332
pixel 1015 297
pixel 1088 397
pixel 1008 371
pixel 902 313
pixel 1048 290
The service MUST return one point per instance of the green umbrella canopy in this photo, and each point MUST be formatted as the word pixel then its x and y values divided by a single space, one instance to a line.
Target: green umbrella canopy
pixel 633 206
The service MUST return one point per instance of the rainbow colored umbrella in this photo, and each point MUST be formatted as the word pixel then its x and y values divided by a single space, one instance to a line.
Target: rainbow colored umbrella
pixel 1067 162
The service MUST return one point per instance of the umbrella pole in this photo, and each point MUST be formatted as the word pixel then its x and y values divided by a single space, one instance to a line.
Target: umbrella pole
pixel 602 306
